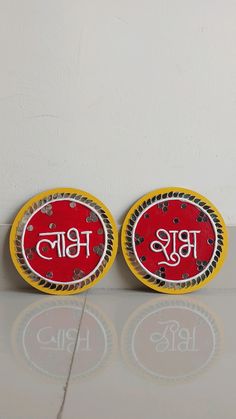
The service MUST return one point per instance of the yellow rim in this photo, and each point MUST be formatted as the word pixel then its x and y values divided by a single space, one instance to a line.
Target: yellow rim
pixel 162 288
pixel 42 196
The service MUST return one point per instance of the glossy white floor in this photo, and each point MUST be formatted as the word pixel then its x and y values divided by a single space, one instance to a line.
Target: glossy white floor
pixel 113 353
pixel 118 354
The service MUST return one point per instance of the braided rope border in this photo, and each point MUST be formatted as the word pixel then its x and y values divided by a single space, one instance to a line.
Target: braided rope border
pixel 160 283
pixel 43 284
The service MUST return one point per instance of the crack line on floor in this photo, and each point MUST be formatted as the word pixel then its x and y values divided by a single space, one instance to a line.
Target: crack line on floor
pixel 60 412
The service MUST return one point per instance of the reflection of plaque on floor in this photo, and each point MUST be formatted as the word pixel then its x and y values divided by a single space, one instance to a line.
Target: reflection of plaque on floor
pixel 44 337
pixel 171 339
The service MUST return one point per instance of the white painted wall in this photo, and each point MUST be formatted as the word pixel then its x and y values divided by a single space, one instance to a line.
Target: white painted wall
pixel 117 97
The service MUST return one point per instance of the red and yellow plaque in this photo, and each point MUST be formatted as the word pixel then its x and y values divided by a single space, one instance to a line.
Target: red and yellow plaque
pixel 63 241
pixel 174 240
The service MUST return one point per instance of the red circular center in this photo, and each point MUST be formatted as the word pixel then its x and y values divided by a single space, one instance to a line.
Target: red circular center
pixel 64 241
pixel 174 240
